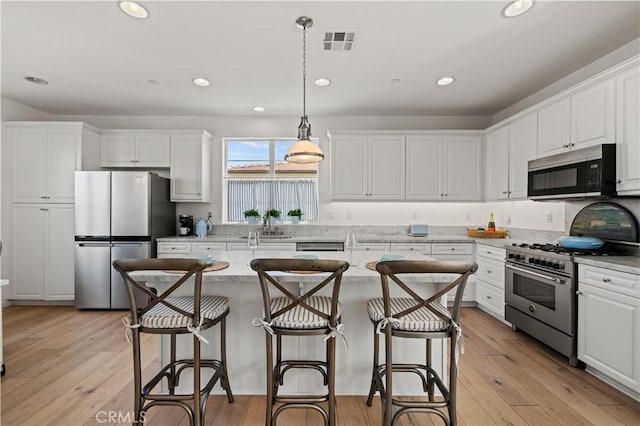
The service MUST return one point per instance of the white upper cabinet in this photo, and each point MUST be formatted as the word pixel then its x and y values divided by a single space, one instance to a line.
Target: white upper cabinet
pixel 523 146
pixel 191 167
pixel 127 148
pixel 627 132
pixel 586 118
pixel 593 115
pixel 367 167
pixel 554 128
pixel 44 157
pixel 497 164
pixel 462 176
pixel 443 167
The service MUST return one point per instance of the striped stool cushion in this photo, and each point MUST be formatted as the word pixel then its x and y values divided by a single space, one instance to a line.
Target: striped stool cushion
pixel 161 316
pixel 300 318
pixel 420 320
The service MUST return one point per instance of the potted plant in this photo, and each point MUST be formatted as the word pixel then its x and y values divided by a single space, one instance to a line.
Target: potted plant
pixel 251 215
pixel 273 214
pixel 295 215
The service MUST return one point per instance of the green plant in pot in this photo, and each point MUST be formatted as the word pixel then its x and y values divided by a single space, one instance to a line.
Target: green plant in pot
pixel 295 215
pixel 251 215
pixel 272 214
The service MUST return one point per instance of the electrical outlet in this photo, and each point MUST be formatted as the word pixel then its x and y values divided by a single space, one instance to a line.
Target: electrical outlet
pixel 415 216
pixel 550 217
pixel 348 215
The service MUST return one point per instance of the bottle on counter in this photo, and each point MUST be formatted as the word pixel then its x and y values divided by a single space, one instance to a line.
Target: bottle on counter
pixel 492 225
pixel 209 225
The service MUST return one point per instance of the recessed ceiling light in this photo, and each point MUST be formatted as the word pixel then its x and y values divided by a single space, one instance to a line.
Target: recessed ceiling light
pixel 259 109
pixel 445 81
pixel 133 9
pixel 202 82
pixel 516 8
pixel 322 82
pixel 36 80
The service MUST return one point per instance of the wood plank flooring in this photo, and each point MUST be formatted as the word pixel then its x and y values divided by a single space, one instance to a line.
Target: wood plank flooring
pixel 69 367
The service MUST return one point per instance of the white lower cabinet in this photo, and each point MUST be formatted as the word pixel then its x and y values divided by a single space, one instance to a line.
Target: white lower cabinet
pixel 372 247
pixel 609 325
pixel 459 252
pixel 173 249
pixel 490 279
pixel 42 252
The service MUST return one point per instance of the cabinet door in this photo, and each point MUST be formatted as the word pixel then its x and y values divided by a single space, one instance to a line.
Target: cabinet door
pixel 28 174
pixel 628 132
pixel 386 167
pixel 117 150
pixel 609 334
pixel 348 167
pixel 63 158
pixel 190 174
pixel 592 115
pixel 424 164
pixel 59 253
pixel 554 126
pixel 523 146
pixel 497 163
pixel 28 251
pixel 462 168
pixel 153 150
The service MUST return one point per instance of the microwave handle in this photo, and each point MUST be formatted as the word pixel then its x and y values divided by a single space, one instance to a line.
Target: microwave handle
pixel 535 274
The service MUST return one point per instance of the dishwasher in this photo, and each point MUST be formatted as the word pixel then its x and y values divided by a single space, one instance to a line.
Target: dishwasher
pixel 320 246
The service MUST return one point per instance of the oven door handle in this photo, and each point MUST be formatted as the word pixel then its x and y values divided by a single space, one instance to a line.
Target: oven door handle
pixel 535 274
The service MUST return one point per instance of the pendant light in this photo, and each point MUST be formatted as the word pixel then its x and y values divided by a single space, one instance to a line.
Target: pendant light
pixel 303 150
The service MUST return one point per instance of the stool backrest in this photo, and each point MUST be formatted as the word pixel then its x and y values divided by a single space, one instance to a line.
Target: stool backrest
pixel 266 267
pixel 184 268
pixel 391 269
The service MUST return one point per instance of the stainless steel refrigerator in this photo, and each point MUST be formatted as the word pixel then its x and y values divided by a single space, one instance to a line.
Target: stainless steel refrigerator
pixel 118 215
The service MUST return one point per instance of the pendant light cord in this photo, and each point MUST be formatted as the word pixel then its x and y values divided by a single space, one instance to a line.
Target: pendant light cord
pixel 304 70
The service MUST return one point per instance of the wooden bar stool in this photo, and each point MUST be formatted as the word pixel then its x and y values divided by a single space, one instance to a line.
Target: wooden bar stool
pixel 414 317
pixel 174 315
pixel 300 315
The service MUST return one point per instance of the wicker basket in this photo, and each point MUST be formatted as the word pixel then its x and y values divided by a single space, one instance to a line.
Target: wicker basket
pixel 498 233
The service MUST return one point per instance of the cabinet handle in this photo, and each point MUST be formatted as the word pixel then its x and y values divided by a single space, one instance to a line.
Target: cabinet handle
pixel 45 197
pixel 572 144
pixel 488 271
pixel 618 181
pixel 489 251
pixel 565 145
pixel 505 192
pixel 411 249
pixel 606 280
pixel 579 293
pixel 488 297
pixel 453 249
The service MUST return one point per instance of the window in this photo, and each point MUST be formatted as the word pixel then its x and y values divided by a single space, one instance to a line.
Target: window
pixel 257 177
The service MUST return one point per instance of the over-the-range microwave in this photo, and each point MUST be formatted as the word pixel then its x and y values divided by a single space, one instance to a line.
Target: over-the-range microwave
pixel 581 173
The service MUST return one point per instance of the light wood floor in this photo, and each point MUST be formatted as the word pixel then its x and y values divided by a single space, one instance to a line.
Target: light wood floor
pixel 69 367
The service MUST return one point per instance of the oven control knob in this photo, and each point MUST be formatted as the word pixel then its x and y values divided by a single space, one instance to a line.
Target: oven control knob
pixel 532 309
pixel 513 256
pixel 560 265
pixel 532 260
pixel 556 265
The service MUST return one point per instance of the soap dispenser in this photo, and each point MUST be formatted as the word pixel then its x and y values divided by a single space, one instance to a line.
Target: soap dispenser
pixel 209 224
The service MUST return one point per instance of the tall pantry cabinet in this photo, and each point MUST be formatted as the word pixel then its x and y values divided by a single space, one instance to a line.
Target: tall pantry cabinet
pixel 42 159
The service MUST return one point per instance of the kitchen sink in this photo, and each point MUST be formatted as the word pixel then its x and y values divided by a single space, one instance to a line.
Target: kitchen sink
pixel 270 237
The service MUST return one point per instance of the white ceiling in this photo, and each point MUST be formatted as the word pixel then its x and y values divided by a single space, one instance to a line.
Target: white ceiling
pixel 98 60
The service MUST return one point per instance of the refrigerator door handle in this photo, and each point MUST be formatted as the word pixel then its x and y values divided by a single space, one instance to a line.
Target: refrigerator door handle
pixel 94 245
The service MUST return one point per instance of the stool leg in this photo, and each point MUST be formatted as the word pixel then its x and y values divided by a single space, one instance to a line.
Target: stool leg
pixel 388 401
pixel 172 372
pixel 453 379
pixel 331 367
pixel 376 348
pixel 270 384
pixel 197 403
pixel 223 357
pixel 430 381
pixel 137 377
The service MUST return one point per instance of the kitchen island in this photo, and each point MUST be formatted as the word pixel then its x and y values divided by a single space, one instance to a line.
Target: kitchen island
pixel 246 344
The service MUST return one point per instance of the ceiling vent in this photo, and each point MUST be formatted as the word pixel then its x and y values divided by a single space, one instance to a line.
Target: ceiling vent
pixel 338 40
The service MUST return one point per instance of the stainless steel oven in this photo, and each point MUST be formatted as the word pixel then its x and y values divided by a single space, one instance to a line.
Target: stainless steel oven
pixel 540 296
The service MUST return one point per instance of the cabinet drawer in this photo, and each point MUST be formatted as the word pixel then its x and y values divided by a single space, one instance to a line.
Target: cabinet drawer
pixel 277 246
pixel 608 279
pixel 491 271
pixel 421 248
pixel 183 248
pixel 490 297
pixel 372 247
pixel 208 247
pixel 451 248
pixel 495 253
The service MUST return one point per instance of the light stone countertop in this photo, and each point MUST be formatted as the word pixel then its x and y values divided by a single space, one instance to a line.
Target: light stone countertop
pixel 630 264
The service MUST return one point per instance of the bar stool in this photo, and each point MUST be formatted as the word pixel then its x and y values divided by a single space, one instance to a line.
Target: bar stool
pixel 300 315
pixel 416 318
pixel 174 315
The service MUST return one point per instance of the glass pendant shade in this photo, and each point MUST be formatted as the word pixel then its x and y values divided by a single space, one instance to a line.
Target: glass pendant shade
pixel 303 150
